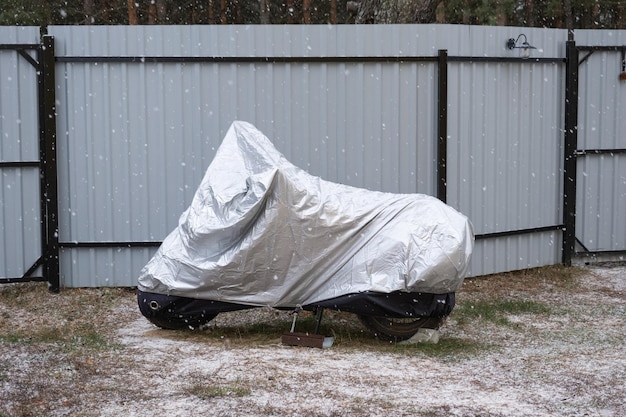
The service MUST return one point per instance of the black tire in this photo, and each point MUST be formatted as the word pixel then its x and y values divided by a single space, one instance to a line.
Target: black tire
pixel 398 329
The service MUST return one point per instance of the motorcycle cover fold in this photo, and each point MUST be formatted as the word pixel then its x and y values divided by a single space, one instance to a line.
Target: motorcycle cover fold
pixel 262 232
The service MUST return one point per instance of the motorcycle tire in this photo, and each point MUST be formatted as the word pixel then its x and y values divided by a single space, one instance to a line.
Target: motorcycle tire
pixel 398 329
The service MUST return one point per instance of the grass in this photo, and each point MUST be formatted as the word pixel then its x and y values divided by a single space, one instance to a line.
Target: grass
pixel 494 299
pixel 535 280
pixel 78 325
pixel 206 391
pixel 68 340
pixel 487 300
pixel 447 350
pixel 73 324
pixel 496 311
pixel 64 338
pixel 75 330
pixel 349 335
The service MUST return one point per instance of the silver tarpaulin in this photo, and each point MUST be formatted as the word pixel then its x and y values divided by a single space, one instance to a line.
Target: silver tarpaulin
pixel 262 232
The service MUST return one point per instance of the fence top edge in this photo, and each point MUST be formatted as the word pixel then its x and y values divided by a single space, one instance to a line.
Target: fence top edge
pixel 296 59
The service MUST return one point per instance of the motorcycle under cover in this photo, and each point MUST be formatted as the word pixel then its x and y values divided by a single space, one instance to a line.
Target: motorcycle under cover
pixel 262 232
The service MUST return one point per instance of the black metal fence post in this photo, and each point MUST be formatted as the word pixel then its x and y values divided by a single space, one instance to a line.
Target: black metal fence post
pixel 442 125
pixel 569 153
pixel 48 160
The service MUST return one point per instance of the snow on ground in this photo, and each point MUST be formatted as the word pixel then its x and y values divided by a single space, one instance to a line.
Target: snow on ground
pixel 568 364
pixel 551 374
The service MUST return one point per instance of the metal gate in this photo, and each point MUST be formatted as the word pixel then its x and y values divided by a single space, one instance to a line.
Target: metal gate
pixel 599 153
pixel 28 170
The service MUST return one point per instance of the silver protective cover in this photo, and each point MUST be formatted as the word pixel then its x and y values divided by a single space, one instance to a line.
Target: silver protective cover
pixel 263 232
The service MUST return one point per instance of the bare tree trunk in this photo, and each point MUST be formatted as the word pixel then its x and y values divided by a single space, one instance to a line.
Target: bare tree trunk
pixel 239 19
pixel 466 12
pixel 441 14
pixel 426 11
pixel 88 8
pixel 333 12
pixel 596 14
pixel 530 12
pixel 211 7
pixel 290 12
pixel 397 11
pixel 47 11
pixel 306 11
pixel 152 13
pixel 132 13
pixel 193 14
pixel 161 7
pixel 567 11
pixel 621 16
pixel 223 16
pixel 368 10
pixel 264 12
pixel 501 16
pixel 106 11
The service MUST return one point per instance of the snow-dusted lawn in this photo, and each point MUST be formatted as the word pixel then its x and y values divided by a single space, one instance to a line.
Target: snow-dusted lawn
pixel 90 353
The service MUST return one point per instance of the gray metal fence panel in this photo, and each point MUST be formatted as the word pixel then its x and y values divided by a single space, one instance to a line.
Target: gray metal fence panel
pixel 601 202
pixel 134 139
pixel 505 139
pixel 20 233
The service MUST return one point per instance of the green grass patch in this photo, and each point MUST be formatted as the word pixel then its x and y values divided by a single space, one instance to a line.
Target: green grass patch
pixel 348 333
pixel 93 340
pixel 36 336
pixel 207 391
pixel 69 341
pixel 496 310
pixel 449 349
pixel 18 295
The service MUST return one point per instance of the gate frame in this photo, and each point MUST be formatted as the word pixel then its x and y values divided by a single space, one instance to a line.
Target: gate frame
pixel 573 153
pixel 48 184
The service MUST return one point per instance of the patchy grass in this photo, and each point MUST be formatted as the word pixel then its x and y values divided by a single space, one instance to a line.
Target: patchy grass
pixel 496 311
pixel 74 321
pixel 54 347
pixel 449 349
pixel 81 318
pixel 206 390
pixel 533 281
pixel 348 333
pixel 77 339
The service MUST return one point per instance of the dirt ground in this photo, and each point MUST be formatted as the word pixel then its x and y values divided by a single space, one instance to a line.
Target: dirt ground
pixel 543 342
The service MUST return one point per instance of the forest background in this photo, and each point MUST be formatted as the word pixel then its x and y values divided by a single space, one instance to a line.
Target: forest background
pixel 571 14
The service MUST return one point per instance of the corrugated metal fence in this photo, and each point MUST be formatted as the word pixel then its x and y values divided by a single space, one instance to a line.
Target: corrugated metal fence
pixel 29 227
pixel 19 146
pixel 601 179
pixel 141 110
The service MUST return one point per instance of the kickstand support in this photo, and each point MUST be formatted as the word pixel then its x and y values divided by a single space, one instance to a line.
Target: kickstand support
pixel 295 313
pixel 316 340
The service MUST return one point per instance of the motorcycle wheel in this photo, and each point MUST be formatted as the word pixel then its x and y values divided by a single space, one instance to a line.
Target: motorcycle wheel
pixel 398 329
